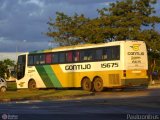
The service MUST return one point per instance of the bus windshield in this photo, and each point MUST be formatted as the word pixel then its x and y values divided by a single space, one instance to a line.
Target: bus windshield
pixel 21 66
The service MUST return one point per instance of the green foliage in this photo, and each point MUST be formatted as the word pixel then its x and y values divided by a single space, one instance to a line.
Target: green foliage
pixel 129 17
pixel 40 94
pixel 123 20
pixel 8 62
pixel 11 86
pixel 66 30
pixel 4 67
pixel 74 30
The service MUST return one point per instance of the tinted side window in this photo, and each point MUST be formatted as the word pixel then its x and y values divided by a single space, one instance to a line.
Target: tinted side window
pixel 42 59
pixel 48 58
pixel 69 56
pixel 21 66
pixel 99 54
pixel 55 58
pixel 62 57
pixel 116 53
pixel 21 59
pixel 30 60
pixel 76 56
pixel 111 53
pixel 87 55
pixel 83 55
pixel 36 59
pixel 91 54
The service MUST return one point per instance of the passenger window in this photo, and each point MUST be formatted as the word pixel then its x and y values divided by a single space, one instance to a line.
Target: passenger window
pixel 116 53
pixel 30 60
pixel 111 53
pixel 87 55
pixel 83 56
pixel 99 55
pixel 42 59
pixel 91 54
pixel 69 56
pixel 36 59
pixel 75 56
pixel 62 57
pixel 48 58
pixel 55 58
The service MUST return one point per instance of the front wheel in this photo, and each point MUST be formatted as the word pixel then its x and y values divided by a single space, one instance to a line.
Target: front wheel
pixel 32 84
pixel 98 84
pixel 3 89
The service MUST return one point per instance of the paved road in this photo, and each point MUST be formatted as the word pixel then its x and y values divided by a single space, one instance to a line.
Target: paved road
pixel 105 105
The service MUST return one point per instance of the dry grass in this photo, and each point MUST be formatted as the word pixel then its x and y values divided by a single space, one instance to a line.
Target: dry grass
pixel 41 94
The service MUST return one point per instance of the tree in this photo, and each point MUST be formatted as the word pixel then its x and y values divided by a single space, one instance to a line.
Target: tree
pixel 4 65
pixel 9 62
pixel 3 69
pixel 66 30
pixel 123 20
pixel 127 19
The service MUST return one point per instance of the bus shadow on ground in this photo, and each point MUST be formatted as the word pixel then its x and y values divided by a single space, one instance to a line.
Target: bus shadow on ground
pixel 127 89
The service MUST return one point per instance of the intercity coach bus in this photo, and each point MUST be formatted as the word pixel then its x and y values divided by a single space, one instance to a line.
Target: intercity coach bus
pixel 90 66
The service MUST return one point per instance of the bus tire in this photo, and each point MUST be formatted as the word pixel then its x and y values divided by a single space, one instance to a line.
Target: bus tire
pixel 86 84
pixel 98 84
pixel 3 89
pixel 32 84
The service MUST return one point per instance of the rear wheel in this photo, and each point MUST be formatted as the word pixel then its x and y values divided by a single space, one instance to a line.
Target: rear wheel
pixel 32 84
pixel 3 89
pixel 98 84
pixel 86 84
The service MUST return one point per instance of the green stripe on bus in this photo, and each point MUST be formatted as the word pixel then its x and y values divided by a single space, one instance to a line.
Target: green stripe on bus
pixel 44 76
pixel 52 76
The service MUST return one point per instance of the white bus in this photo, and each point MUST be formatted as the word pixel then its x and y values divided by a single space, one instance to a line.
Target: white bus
pixel 89 66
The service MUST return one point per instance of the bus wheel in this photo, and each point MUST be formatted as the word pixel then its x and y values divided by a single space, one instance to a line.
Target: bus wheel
pixel 3 89
pixel 86 84
pixel 98 84
pixel 32 84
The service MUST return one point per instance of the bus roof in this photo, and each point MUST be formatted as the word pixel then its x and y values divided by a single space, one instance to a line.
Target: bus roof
pixel 75 47
pixel 79 46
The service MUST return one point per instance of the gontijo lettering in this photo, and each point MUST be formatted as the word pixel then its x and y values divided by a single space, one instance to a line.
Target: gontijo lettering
pixel 78 67
pixel 135 53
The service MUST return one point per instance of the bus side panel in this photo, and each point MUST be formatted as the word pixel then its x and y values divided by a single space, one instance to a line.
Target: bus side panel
pixel 31 74
pixel 47 75
pixel 66 79
pixel 70 76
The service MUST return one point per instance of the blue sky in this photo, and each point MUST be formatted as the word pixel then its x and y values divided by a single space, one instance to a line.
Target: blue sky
pixel 22 22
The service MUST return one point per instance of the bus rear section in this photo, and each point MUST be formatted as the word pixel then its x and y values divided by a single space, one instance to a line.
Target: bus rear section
pixel 135 64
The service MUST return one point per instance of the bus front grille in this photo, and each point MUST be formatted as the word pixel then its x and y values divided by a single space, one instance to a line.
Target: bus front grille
pixel 114 79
